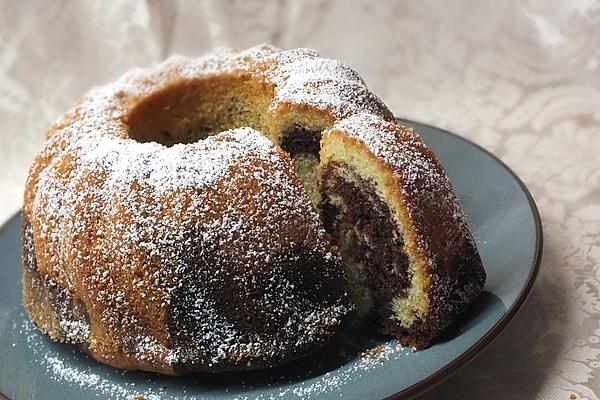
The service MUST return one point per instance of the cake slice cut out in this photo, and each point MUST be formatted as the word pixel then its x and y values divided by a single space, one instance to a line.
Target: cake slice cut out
pixel 390 208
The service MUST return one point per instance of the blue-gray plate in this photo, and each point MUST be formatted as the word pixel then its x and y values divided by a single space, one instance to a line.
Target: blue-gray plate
pixel 507 229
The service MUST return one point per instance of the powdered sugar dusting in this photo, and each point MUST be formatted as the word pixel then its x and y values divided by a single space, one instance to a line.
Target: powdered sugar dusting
pixel 323 83
pixel 75 331
pixel 298 76
pixel 119 223
pixel 420 172
pixel 132 219
pixel 165 169
pixel 74 370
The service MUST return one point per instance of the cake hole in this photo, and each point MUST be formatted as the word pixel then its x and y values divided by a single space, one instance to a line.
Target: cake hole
pixel 362 226
pixel 193 110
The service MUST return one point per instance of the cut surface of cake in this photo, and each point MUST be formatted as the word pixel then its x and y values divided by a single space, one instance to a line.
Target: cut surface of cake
pixel 402 233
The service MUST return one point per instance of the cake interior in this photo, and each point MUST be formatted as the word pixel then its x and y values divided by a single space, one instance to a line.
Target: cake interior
pixel 354 212
pixel 303 145
pixel 363 227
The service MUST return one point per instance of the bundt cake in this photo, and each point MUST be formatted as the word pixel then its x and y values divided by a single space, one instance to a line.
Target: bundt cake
pixel 234 212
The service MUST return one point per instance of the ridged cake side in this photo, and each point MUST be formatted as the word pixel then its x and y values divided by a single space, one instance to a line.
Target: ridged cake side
pixel 198 257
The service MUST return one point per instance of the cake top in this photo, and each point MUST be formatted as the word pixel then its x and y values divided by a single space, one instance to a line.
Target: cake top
pixel 298 76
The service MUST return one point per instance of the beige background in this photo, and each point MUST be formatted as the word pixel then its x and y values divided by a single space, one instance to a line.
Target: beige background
pixel 521 78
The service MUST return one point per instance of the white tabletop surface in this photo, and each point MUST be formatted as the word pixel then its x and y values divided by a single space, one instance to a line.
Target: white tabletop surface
pixel 521 78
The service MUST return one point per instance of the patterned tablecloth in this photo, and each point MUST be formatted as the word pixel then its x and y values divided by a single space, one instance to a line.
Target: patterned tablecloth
pixel 521 78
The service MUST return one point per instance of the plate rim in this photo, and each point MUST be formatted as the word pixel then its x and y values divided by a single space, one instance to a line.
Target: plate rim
pixel 483 342
pixel 476 349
